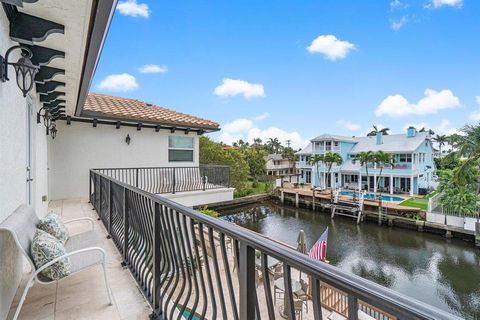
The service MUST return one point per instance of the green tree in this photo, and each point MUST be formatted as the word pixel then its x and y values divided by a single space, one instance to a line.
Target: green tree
pixel 331 158
pixel 376 130
pixel 430 131
pixel 289 154
pixel 274 145
pixel 315 161
pixel 213 153
pixel 441 140
pixel 365 158
pixel 382 159
pixel 256 162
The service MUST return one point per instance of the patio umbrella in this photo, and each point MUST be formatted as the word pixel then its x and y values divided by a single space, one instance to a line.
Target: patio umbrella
pixel 301 245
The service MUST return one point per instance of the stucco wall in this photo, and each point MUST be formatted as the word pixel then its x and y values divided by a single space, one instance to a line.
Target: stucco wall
pixel 79 147
pixel 13 137
pixel 196 198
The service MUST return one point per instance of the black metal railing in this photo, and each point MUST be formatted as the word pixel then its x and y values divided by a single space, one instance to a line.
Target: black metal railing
pixel 192 266
pixel 172 179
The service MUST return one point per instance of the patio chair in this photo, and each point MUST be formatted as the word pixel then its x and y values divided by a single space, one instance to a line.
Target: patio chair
pixel 302 294
pixel 298 307
pixel 84 250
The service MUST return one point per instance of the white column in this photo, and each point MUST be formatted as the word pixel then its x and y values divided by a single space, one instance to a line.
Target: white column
pixel 332 180
pixel 324 178
pixel 411 185
pixel 360 182
pixel 340 177
pixel 391 184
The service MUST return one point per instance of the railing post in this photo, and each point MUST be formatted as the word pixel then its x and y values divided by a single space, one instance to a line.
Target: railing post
pixel 136 177
pixel 125 227
pixel 204 183
pixel 90 186
pixel 173 180
pixel 246 275
pixel 100 198
pixel 110 203
pixel 156 260
pixel 352 307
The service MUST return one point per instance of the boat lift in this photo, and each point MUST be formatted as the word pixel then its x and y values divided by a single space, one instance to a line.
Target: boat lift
pixel 346 208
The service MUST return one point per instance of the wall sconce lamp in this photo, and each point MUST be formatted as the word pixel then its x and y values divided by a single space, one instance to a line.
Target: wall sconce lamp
pixel 24 69
pixel 47 118
pixel 128 139
pixel 53 130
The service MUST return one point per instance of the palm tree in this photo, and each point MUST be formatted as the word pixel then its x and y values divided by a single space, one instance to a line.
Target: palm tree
pixel 365 158
pixel 377 130
pixel 274 145
pixel 315 161
pixel 430 131
pixel 331 158
pixel 382 159
pixel 441 140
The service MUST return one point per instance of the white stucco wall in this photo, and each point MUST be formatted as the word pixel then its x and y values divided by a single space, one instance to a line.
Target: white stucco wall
pixel 80 147
pixel 196 198
pixel 13 146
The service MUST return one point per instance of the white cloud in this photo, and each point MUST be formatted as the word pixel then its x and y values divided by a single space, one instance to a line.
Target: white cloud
pixel 475 116
pixel 153 68
pixel 435 4
pixel 234 87
pixel 331 47
pixel 434 101
pixel 350 126
pixel 247 130
pixel 133 9
pixel 119 82
pixel 397 4
pixel 262 116
pixel 444 127
pixel 398 24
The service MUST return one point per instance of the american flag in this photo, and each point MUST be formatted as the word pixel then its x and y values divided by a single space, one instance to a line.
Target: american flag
pixel 319 249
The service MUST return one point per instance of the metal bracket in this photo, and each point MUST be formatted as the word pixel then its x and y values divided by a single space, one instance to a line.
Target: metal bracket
pixel 49 86
pixel 47 74
pixel 28 29
pixel 42 55
pixel 51 96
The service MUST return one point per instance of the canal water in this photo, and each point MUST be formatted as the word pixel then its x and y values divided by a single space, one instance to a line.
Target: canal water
pixel 443 273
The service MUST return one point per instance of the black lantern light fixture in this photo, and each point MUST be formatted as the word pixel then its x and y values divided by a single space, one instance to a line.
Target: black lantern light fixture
pixel 53 130
pixel 25 70
pixel 47 118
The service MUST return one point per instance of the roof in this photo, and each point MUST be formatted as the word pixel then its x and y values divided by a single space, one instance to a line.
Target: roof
pixel 333 137
pixel 111 107
pixel 306 150
pixel 391 143
pixel 273 156
pixel 351 166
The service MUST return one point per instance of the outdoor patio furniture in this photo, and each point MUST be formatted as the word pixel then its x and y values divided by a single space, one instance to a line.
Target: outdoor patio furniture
pixel 278 271
pixel 84 250
pixel 298 307
pixel 302 294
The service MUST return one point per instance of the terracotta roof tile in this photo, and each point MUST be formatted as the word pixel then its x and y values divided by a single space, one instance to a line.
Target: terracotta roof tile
pixel 135 110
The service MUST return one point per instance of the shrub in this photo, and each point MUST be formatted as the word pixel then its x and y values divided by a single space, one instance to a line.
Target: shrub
pixel 209 212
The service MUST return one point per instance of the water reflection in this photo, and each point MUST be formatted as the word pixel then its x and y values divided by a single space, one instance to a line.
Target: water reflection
pixel 423 266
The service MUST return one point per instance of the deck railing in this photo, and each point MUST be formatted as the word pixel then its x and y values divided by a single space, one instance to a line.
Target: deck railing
pixel 187 263
pixel 172 179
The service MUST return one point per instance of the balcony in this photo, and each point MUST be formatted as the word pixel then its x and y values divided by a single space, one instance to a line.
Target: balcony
pixel 167 260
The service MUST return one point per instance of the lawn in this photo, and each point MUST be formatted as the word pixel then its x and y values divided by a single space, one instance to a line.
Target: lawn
pixel 421 203
pixel 262 187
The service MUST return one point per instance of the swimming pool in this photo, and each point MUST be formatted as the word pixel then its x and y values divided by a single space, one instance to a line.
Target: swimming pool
pixel 372 196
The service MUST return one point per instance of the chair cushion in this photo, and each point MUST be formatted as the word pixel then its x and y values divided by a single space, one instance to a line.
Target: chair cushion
pixel 54 226
pixel 85 259
pixel 45 248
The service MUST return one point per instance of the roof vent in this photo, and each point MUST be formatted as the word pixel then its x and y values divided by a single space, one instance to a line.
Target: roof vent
pixel 149 105
pixel 411 132
pixel 379 137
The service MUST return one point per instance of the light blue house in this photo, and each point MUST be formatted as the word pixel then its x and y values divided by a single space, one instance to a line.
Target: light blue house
pixel 413 170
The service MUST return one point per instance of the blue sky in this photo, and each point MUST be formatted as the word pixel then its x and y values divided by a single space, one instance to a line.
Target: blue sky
pixel 296 69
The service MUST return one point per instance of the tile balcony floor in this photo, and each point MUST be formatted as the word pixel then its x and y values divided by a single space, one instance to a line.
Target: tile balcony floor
pixel 83 295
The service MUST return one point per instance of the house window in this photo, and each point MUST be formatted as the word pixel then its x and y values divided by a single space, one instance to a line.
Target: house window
pixel 180 149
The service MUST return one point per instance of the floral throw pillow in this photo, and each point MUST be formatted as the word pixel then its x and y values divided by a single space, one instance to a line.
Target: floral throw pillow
pixel 53 225
pixel 45 248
